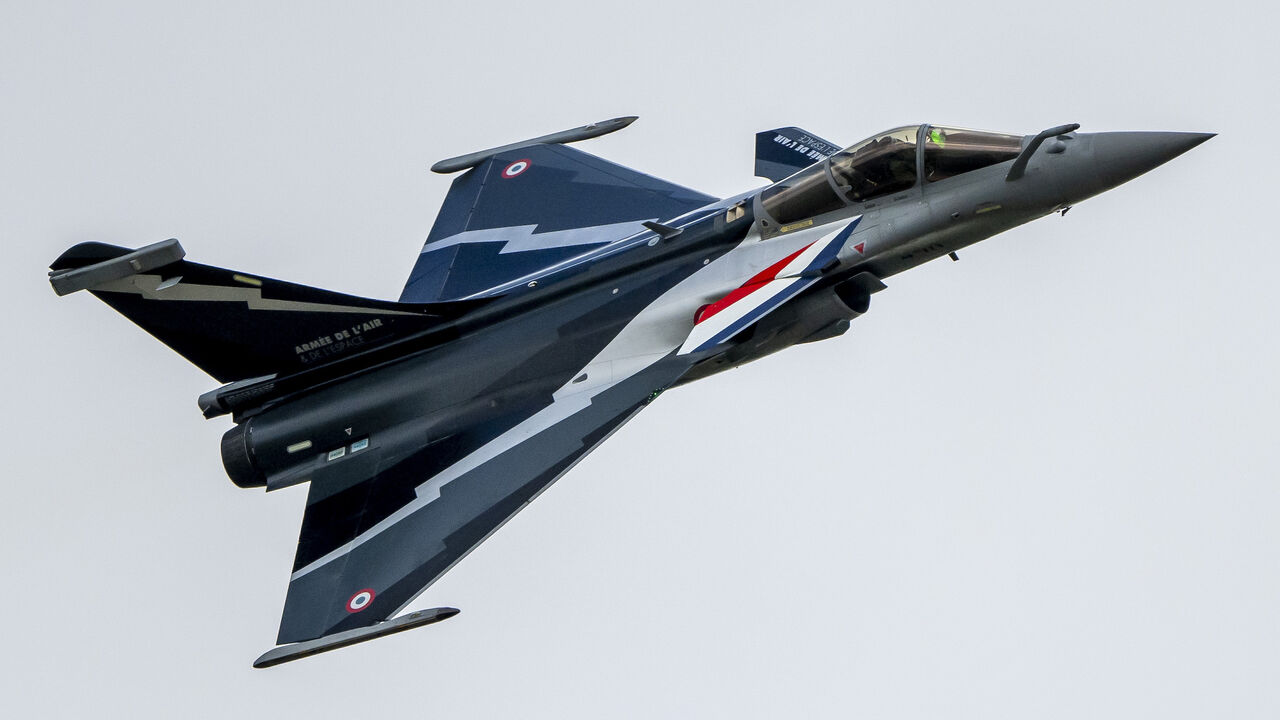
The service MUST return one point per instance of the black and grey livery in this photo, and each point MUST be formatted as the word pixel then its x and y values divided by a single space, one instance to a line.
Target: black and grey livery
pixel 557 295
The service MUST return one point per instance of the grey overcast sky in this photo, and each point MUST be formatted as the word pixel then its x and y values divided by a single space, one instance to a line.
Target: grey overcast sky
pixel 1041 482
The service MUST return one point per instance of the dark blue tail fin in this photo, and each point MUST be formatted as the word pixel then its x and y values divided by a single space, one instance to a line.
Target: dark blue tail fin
pixel 784 151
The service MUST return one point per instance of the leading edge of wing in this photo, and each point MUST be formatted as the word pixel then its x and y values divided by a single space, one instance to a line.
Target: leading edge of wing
pixel 382 568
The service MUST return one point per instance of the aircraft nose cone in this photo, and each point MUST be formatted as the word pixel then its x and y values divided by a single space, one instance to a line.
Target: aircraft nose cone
pixel 1123 156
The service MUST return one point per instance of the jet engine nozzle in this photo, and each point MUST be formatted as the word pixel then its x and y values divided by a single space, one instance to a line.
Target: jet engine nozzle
pixel 237 458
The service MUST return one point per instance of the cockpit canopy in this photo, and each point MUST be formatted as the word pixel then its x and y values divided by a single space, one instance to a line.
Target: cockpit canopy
pixel 877 166
pixel 883 164
pixel 949 152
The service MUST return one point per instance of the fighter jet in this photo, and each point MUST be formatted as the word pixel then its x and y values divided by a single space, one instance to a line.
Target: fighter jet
pixel 558 294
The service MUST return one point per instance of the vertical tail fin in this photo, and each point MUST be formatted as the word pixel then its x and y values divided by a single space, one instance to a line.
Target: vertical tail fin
pixel 787 150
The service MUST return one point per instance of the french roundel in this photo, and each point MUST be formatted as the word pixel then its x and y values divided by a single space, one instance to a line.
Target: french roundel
pixel 360 601
pixel 515 168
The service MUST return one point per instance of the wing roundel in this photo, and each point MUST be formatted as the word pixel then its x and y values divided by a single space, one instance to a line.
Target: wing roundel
pixel 378 532
pixel 526 209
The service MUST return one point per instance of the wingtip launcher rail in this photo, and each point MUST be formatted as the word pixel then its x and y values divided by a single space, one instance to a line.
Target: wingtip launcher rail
pixel 586 132
pixel 297 651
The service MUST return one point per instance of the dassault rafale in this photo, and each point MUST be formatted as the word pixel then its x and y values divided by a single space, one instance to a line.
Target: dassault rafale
pixel 557 295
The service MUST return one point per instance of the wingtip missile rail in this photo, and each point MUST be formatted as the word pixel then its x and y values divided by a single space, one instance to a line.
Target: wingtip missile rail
pixel 586 132
pixel 297 651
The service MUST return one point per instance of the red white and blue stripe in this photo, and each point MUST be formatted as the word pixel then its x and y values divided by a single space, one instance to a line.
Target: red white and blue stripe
pixel 766 291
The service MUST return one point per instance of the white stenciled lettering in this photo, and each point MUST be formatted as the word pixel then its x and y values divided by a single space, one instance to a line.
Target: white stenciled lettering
pixel 821 146
pixel 313 345
pixel 336 342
